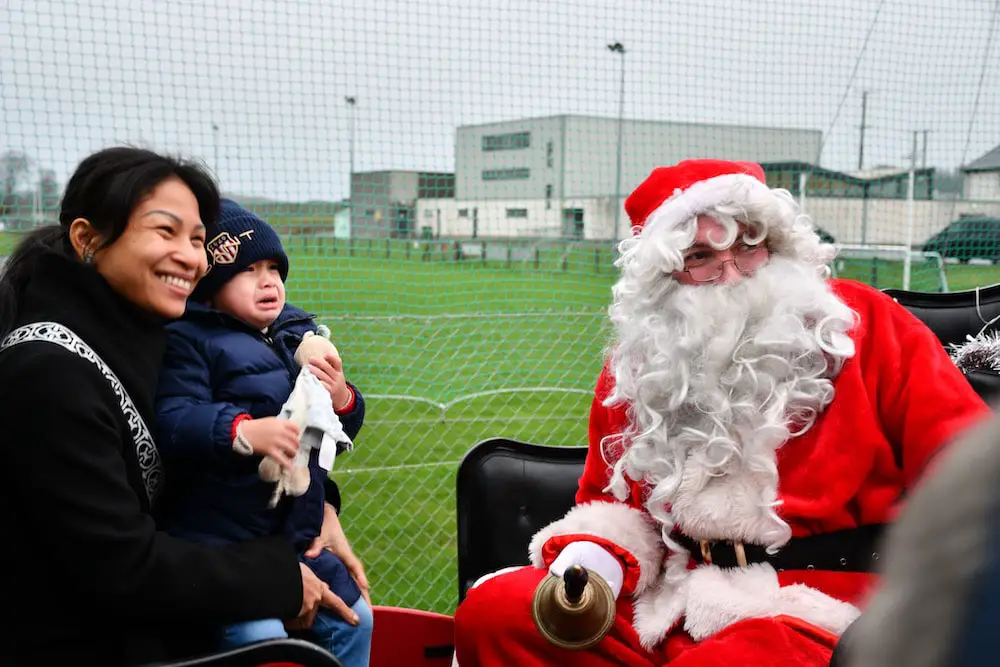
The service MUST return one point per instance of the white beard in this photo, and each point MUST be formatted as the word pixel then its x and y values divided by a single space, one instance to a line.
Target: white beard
pixel 717 378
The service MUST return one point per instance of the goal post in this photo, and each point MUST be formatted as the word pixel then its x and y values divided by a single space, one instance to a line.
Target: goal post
pixel 853 259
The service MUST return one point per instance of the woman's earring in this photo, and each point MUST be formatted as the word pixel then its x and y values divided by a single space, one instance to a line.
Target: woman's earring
pixel 88 257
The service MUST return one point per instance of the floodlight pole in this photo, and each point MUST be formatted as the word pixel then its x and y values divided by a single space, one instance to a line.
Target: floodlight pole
pixel 910 187
pixel 619 48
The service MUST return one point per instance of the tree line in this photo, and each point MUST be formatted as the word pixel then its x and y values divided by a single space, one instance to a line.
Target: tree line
pixel 29 193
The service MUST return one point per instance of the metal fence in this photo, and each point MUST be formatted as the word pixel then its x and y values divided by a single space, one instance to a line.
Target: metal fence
pixel 448 178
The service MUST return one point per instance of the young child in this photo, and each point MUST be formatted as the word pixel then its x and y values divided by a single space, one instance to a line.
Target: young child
pixel 228 369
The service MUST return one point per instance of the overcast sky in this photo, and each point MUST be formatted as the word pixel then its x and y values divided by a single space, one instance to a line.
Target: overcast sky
pixel 272 75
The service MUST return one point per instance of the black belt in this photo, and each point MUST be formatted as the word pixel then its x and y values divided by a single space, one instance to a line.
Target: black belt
pixel 850 550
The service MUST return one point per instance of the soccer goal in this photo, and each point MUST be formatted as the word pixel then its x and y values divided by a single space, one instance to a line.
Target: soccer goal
pixel 885 266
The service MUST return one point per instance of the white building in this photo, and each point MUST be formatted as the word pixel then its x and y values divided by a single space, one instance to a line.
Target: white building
pixel 982 177
pixel 558 176
pixel 384 203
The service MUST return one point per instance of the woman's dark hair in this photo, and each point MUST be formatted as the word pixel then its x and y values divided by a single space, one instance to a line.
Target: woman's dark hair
pixel 105 189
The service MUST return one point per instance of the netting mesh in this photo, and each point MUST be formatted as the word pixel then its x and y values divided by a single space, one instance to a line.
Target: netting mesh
pixel 448 179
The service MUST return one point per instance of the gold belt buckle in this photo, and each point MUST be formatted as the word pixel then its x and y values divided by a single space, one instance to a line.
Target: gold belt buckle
pixel 741 553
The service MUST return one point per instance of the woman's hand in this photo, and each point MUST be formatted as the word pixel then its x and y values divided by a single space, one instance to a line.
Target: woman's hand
pixel 312 592
pixel 332 538
pixel 316 594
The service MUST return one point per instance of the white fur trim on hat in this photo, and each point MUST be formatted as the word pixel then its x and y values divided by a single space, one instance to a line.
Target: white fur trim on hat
pixel 705 195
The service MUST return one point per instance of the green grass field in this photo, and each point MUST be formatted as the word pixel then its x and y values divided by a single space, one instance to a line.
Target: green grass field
pixel 450 353
pixel 7 242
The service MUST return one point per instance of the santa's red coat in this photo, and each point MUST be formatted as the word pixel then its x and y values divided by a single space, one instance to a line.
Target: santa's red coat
pixel 898 400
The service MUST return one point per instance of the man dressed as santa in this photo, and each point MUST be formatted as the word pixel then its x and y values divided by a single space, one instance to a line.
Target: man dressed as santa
pixel 754 427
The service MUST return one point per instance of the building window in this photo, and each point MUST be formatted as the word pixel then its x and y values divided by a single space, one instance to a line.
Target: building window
pixel 432 185
pixel 548 196
pixel 506 142
pixel 573 223
pixel 463 213
pixel 549 154
pixel 509 174
pixel 517 213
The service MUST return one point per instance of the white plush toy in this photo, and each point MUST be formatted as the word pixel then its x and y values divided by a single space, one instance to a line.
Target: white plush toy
pixel 309 407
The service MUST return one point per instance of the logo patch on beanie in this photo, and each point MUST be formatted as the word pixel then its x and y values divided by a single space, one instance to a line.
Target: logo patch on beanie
pixel 224 248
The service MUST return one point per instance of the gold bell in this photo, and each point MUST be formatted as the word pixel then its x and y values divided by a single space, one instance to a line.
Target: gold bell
pixel 576 611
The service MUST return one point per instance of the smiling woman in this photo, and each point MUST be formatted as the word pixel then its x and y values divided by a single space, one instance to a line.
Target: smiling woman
pixel 158 257
pixel 83 308
pixel 137 219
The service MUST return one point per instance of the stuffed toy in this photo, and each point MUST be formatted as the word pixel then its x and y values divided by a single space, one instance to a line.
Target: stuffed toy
pixel 309 407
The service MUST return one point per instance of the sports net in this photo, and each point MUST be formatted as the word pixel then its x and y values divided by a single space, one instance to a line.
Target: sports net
pixel 448 179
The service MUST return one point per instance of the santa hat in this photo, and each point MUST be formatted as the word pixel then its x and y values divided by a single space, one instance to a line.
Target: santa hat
pixel 666 205
pixel 688 188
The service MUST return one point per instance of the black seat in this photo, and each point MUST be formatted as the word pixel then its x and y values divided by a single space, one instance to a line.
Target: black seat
pixel 290 652
pixel 953 316
pixel 509 490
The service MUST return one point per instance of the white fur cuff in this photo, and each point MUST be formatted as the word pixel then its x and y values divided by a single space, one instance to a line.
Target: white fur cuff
pixel 626 527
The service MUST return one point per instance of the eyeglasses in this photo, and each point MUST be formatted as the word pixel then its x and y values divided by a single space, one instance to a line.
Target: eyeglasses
pixel 705 266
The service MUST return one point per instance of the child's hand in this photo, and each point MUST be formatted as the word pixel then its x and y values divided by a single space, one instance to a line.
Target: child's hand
pixel 270 436
pixel 329 370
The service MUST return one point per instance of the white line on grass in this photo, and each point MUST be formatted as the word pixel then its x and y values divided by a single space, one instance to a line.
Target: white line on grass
pixel 467 316
pixel 407 466
pixel 478 420
pixel 479 394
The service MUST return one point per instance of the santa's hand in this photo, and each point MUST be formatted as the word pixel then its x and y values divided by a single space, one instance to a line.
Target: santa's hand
pixel 595 558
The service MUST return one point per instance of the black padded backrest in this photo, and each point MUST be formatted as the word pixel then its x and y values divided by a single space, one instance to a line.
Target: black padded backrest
pixel 987 385
pixel 507 492
pixel 954 315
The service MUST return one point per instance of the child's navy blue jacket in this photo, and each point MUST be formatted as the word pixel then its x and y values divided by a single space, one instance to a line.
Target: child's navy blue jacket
pixel 215 369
